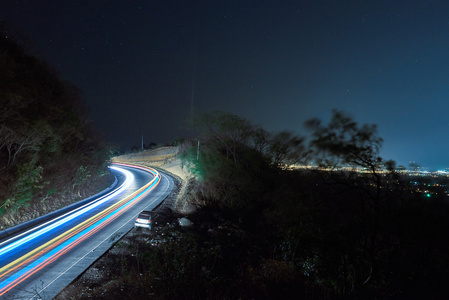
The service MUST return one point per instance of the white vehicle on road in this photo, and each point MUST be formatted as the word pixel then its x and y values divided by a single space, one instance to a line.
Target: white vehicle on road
pixel 143 220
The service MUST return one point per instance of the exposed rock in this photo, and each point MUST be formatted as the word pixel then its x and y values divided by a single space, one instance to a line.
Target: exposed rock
pixel 184 222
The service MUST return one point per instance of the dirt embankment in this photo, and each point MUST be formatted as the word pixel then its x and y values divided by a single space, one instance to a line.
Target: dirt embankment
pixel 166 159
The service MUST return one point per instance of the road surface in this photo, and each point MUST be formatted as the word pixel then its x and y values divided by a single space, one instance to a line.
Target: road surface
pixel 38 262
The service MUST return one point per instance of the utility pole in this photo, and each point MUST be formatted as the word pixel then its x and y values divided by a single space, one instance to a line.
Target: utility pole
pixel 198 151
pixel 195 54
pixel 142 142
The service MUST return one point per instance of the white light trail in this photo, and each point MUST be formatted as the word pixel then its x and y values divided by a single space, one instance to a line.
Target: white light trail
pixel 66 217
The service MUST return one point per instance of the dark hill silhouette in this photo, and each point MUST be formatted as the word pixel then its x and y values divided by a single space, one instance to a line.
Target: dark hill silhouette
pixel 47 148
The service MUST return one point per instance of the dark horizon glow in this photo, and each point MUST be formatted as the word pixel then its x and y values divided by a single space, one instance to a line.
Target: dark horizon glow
pixel 383 62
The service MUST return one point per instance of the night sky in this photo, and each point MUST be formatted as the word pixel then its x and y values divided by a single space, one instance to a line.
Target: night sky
pixel 276 63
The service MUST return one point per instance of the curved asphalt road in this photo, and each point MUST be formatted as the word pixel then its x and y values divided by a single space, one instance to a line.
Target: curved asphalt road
pixel 37 263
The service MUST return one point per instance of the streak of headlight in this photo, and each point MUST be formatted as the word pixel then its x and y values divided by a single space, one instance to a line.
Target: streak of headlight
pixel 68 216
pixel 63 245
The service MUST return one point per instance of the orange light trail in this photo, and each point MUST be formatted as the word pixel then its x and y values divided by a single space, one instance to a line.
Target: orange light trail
pixel 37 254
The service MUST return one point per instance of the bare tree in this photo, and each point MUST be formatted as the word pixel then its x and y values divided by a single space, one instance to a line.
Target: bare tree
pixel 20 141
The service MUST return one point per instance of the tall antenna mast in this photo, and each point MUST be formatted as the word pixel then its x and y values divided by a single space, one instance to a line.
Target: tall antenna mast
pixel 195 54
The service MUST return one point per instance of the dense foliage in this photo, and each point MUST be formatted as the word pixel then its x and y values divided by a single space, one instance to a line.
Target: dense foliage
pixel 236 162
pixel 354 229
pixel 266 230
pixel 47 148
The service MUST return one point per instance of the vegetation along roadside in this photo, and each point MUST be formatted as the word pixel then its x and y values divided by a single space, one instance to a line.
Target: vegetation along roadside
pixel 48 150
pixel 266 226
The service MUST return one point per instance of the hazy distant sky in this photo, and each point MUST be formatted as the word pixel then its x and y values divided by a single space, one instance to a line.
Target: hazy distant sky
pixel 277 63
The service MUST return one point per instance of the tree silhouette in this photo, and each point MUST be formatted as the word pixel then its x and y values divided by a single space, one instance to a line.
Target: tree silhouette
pixel 237 159
pixel 353 152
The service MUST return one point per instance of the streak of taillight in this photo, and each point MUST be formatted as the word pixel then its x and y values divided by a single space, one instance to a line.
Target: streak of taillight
pixel 76 234
pixel 68 217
